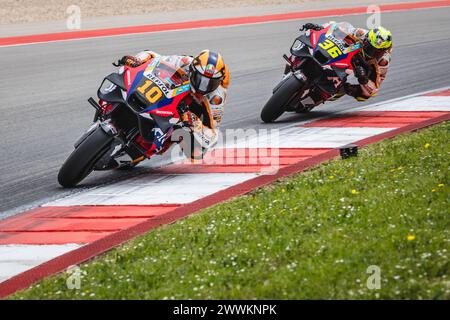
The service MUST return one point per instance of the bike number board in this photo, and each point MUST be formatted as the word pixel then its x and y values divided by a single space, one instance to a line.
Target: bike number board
pixel 150 91
pixel 153 89
pixel 331 48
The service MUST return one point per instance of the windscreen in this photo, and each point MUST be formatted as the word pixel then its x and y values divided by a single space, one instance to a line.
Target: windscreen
pixel 343 32
pixel 169 75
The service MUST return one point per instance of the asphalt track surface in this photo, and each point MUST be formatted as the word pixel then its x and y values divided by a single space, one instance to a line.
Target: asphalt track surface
pixel 44 87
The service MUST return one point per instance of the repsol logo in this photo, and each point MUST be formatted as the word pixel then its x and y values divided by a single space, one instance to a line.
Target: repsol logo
pixel 159 83
pixel 337 42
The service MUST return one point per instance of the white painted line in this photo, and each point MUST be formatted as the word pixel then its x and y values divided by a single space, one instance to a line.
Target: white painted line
pixel 424 103
pixel 315 137
pixel 237 25
pixel 153 189
pixel 15 259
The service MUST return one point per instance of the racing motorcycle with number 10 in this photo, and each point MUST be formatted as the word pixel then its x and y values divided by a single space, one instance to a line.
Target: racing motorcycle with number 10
pixel 132 103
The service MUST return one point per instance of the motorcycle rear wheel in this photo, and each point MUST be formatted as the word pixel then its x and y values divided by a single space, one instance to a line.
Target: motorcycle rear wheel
pixel 281 99
pixel 82 160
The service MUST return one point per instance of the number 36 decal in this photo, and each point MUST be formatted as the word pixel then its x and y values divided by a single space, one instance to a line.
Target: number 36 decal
pixel 151 91
pixel 331 48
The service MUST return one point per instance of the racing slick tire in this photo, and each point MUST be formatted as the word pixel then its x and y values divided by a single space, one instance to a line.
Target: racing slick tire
pixel 82 160
pixel 281 99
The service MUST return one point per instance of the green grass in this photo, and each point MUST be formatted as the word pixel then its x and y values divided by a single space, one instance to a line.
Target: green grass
pixel 311 236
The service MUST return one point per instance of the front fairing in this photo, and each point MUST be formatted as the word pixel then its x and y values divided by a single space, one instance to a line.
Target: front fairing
pixel 332 47
pixel 301 47
pixel 336 46
pixel 157 89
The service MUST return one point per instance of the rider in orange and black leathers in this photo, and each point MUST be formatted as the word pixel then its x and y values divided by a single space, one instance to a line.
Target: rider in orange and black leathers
pixel 202 110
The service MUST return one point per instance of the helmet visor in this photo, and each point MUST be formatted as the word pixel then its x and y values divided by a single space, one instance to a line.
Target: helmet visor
pixel 204 84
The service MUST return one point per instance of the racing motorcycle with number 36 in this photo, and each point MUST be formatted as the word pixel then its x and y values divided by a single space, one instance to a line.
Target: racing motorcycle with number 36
pixel 138 110
pixel 318 68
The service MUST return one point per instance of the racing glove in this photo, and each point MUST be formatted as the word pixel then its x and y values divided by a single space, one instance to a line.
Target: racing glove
pixel 361 75
pixel 182 111
pixel 313 26
pixel 360 70
pixel 129 61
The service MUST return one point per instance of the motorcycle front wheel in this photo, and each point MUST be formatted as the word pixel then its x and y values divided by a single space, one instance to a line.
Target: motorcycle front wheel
pixel 82 160
pixel 281 99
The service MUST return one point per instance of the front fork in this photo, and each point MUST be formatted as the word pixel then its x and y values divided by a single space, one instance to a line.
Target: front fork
pixel 311 97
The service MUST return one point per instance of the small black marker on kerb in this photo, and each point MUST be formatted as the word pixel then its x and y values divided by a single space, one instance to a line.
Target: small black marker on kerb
pixel 347 151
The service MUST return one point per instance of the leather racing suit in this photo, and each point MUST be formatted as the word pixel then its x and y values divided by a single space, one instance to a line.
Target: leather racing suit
pixel 201 114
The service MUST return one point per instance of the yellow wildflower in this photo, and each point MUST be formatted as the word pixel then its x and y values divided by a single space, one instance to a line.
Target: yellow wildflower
pixel 411 237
